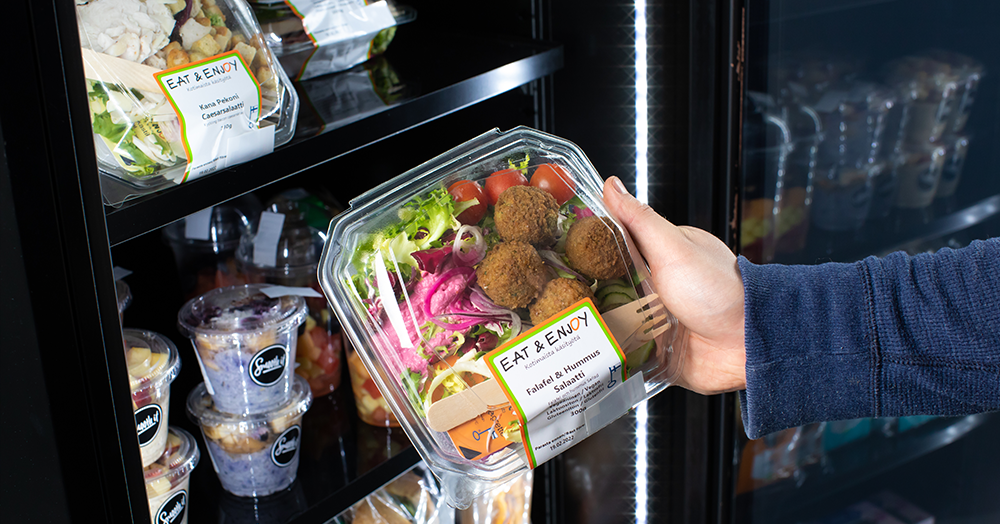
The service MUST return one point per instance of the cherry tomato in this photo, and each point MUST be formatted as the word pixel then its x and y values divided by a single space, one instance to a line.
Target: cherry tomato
pixel 501 180
pixel 465 190
pixel 554 180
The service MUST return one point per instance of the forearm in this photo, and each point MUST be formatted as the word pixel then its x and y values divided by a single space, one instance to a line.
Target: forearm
pixel 882 337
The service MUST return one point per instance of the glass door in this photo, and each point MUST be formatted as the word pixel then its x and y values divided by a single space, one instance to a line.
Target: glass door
pixel 870 126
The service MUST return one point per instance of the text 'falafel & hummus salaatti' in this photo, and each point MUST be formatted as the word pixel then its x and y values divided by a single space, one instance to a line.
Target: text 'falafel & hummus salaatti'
pixel 484 291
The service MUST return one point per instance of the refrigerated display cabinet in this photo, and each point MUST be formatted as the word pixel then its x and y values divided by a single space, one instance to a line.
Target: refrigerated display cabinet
pixel 869 127
pixel 681 99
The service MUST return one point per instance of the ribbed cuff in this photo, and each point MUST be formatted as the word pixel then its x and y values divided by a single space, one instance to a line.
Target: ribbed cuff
pixel 809 353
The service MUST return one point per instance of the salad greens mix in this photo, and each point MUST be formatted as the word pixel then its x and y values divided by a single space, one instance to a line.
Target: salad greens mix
pixel 416 279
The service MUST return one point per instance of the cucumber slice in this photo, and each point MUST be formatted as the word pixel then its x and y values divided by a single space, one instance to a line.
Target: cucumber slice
pixel 606 286
pixel 639 356
pixel 613 300
pixel 621 288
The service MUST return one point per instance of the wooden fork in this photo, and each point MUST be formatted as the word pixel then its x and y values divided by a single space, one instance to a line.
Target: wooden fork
pixel 632 325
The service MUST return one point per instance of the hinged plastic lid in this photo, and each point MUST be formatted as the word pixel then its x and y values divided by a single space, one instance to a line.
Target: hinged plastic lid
pixel 239 309
pixel 151 357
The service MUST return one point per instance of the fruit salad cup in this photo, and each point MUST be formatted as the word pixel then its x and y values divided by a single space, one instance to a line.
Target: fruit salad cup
pixel 929 90
pixel 918 174
pixel 153 364
pixel 167 479
pixel 842 197
pixel 253 455
pixel 957 147
pixel 245 343
pixel 372 407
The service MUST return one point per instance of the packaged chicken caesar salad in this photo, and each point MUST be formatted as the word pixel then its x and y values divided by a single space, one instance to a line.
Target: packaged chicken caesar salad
pixel 179 89
pixel 314 37
pixel 500 310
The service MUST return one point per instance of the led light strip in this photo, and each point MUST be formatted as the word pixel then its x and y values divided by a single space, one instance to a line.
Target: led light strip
pixel 641 106
pixel 642 194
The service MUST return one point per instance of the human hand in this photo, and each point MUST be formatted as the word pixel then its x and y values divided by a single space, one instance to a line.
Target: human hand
pixel 699 281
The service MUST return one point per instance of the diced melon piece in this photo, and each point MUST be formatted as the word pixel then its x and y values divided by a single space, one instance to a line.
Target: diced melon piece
pixel 158 486
pixel 139 361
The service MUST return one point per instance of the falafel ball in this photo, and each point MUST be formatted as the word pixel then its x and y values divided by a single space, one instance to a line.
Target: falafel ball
pixel 596 248
pixel 527 213
pixel 559 294
pixel 512 274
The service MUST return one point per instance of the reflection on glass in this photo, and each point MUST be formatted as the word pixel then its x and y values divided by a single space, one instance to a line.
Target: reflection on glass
pixel 334 101
pixel 278 508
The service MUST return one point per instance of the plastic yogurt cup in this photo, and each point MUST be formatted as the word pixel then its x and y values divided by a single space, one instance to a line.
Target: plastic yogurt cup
pixel 956 149
pixel 153 364
pixel 245 344
pixel 918 175
pixel 167 479
pixel 253 455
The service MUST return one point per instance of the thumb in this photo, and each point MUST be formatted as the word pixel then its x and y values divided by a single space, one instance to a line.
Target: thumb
pixel 647 228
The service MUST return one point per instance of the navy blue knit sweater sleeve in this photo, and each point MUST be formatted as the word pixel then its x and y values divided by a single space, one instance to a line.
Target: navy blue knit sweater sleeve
pixel 890 336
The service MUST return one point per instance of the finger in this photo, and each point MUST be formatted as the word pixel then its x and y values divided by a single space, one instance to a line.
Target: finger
pixel 652 233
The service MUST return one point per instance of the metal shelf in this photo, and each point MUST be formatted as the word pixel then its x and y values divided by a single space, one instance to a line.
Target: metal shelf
pixel 853 465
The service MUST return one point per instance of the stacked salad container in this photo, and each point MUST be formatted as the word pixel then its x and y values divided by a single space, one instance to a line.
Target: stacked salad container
pixel 488 293
pixel 251 404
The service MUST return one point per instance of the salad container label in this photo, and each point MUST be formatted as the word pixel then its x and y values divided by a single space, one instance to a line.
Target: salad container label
pixel 554 373
pixel 173 509
pixel 218 103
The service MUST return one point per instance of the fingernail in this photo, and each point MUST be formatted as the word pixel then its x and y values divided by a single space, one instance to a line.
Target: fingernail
pixel 619 186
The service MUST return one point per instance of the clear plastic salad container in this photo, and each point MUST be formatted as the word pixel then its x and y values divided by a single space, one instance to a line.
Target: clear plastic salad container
pixel 459 280
pixel 168 478
pixel 179 89
pixel 245 343
pixel 153 363
pixel 253 455
pixel 316 38
pixel 297 247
